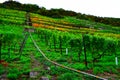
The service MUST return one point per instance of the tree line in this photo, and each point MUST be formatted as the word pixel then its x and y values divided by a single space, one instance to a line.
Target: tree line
pixel 58 13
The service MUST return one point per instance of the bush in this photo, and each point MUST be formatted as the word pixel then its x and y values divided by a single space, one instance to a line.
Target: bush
pixel 62 59
pixel 111 69
pixel 12 76
pixel 79 66
pixel 97 70
pixel 54 70
pixel 67 76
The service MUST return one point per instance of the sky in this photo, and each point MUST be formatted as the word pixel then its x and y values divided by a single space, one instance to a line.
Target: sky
pixel 101 8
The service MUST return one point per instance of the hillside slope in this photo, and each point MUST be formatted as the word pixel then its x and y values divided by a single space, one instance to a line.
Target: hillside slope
pixel 80 44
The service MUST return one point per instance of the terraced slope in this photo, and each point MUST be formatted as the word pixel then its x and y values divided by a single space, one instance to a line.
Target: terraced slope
pixel 73 25
pixel 80 44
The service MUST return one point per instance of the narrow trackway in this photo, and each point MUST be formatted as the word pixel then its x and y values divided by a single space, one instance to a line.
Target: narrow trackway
pixel 34 62
pixel 34 65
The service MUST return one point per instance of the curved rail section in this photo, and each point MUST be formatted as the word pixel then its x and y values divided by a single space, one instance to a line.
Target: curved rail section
pixel 72 69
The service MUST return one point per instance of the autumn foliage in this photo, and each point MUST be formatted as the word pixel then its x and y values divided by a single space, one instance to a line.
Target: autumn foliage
pixel 4 63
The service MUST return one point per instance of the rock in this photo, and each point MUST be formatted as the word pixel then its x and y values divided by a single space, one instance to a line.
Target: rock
pixel 33 74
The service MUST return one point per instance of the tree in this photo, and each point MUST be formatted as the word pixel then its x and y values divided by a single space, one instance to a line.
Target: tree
pixel 30 8
pixel 42 11
pixel 12 4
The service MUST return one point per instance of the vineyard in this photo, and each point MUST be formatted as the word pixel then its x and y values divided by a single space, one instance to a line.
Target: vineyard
pixel 92 47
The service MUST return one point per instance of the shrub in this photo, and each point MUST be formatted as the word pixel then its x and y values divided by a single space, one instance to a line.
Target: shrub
pixel 111 69
pixel 67 76
pixel 97 70
pixel 12 76
pixel 62 59
pixel 79 66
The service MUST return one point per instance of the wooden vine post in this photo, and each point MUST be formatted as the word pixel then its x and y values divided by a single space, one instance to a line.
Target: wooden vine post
pixel 84 50
pixel 54 42
pixel 80 50
pixel 0 45
pixel 9 52
pixel 60 45
pixel 46 39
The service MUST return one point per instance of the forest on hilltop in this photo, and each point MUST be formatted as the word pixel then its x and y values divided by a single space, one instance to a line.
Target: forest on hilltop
pixel 58 13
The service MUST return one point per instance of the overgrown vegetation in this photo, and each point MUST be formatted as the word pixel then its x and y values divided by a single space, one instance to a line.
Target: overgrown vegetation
pixel 89 49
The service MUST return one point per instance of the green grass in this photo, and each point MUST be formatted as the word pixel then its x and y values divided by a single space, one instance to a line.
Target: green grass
pixel 12 13
pixel 12 30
